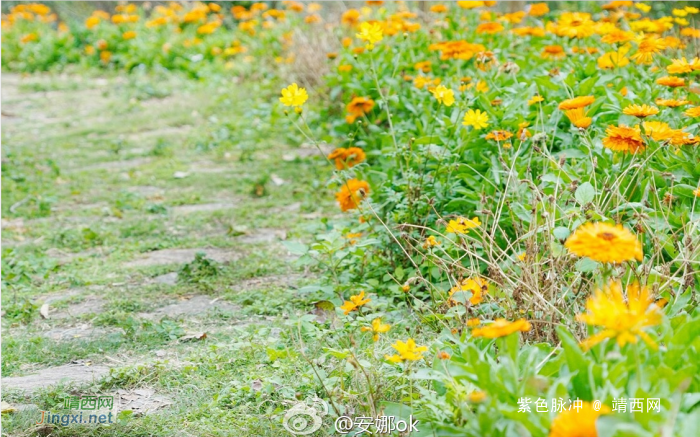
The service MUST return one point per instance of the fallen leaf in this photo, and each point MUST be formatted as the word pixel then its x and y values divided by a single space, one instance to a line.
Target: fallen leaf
pixel 7 408
pixel 180 174
pixel 191 337
pixel 256 385
pixel 277 180
pixel 44 311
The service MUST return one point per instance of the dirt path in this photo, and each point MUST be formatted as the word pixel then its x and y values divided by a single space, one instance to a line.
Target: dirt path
pixel 144 243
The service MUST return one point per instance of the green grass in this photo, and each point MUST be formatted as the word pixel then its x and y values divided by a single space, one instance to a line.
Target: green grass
pixel 76 213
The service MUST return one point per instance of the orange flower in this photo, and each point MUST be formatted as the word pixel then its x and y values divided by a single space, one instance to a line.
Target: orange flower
pixel 576 102
pixel 351 194
pixel 538 9
pixel 671 103
pixel 578 118
pixel 671 81
pixel 623 139
pixel 499 135
pixel 358 107
pixel 553 52
pixel 491 27
pixel 346 158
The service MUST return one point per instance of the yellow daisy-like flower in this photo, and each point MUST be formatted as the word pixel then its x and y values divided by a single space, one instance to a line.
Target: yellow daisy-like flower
pixel 477 119
pixel 577 422
pixel 370 32
pixel 406 351
pixel 535 99
pixel 697 192
pixel 693 112
pixel 671 81
pixel 461 225
pixel 377 328
pixel 658 130
pixel 293 95
pixel 649 47
pixel 605 243
pixel 576 102
pixel 624 321
pixel 477 286
pixel 623 139
pixel 671 103
pixel 444 95
pixel 640 111
pixel 501 328
pixel 354 303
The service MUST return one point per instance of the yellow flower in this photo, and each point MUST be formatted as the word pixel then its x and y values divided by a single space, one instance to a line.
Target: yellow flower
pixel 535 99
pixel 612 60
pixel 671 81
pixel 477 286
pixel 671 103
pixel 430 242
pixel 693 112
pixel 129 34
pixel 444 95
pixel 649 46
pixel 640 111
pixel 377 328
pixel 351 194
pixel 577 422
pixel 624 321
pixel 658 130
pixel 461 225
pixel 501 328
pixel 578 118
pixel 406 351
pixel 605 243
pixel 477 119
pixel 354 303
pixel 697 192
pixel 91 22
pixel 293 95
pixel 576 102
pixel 477 396
pixel 370 32
pixel 623 139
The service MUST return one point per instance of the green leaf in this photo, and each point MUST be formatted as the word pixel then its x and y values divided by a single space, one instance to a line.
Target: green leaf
pixel 585 193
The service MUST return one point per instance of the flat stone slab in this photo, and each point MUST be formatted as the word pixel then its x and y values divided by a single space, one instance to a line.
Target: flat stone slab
pixel 68 373
pixel 197 305
pixel 141 401
pixel 89 305
pixel 203 207
pixel 116 165
pixel 83 331
pixel 182 256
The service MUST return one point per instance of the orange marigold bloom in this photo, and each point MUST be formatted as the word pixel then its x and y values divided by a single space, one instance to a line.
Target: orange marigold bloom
pixel 576 102
pixel 658 130
pixel 577 422
pixel 501 328
pixel 693 112
pixel 438 9
pixel 499 135
pixel 640 111
pixel 476 286
pixel 671 103
pixel 350 17
pixel 649 46
pixel 578 118
pixel 555 52
pixel 671 81
pixel 538 9
pixel 605 243
pixel 351 194
pixel 358 107
pixel 491 27
pixel 623 139
pixel 346 158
